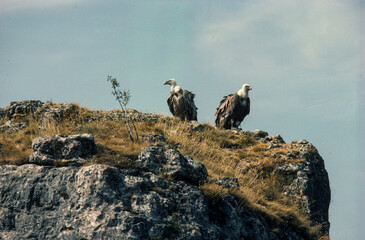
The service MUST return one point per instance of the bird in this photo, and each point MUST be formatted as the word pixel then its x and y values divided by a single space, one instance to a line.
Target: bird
pixel 233 109
pixel 181 102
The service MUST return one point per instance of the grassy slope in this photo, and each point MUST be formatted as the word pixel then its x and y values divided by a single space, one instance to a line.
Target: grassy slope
pixel 223 153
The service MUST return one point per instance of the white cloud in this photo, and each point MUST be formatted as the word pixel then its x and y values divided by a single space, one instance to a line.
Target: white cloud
pixel 14 5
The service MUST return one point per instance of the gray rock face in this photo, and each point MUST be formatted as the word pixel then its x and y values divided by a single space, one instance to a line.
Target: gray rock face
pixel 155 138
pixel 260 133
pixel 277 139
pixel 117 115
pixel 52 112
pixel 12 127
pixel 102 202
pixel 162 159
pixel 226 182
pixel 309 183
pixel 48 112
pixel 22 107
pixel 67 150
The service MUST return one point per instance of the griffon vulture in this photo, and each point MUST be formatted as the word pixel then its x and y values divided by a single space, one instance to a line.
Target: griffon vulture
pixel 233 109
pixel 181 102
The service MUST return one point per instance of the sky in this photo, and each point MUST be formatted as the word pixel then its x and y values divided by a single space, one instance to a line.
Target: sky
pixel 304 60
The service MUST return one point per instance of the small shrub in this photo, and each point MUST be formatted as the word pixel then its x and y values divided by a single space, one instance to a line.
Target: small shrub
pixel 123 98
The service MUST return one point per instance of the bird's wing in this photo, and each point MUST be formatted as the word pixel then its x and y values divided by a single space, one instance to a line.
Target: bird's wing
pixel 188 101
pixel 227 105
pixel 248 105
pixel 170 103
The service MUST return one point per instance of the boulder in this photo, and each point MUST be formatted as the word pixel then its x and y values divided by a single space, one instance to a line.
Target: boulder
pixel 155 138
pixel 277 139
pixel 63 150
pixel 162 159
pixel 260 134
pixel 56 112
pixel 12 126
pixel 226 182
pixel 23 107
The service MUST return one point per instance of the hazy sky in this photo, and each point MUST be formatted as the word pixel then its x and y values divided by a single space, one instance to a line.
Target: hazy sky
pixel 304 60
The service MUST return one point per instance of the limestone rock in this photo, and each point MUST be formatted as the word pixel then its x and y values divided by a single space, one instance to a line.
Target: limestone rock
pixel 12 127
pixel 277 139
pixel 22 107
pixel 162 159
pixel 155 138
pixel 49 111
pixel 260 133
pixel 102 202
pixel 56 112
pixel 69 150
pixel 226 182
pixel 308 183
pixel 117 115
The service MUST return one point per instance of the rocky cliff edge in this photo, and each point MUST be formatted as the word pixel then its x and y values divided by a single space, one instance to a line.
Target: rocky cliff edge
pixel 62 195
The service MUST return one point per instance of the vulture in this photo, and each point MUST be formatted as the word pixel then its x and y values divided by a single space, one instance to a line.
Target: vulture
pixel 233 109
pixel 181 102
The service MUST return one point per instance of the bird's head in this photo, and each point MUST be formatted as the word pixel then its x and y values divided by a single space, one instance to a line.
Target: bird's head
pixel 246 87
pixel 170 82
pixel 243 92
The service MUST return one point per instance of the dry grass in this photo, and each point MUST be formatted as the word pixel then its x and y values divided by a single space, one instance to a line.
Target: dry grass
pixel 223 154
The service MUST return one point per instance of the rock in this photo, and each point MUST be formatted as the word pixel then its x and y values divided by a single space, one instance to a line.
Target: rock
pixel 273 145
pixel 260 134
pixel 235 131
pixel 226 182
pixel 159 199
pixel 303 141
pixel 66 150
pixel 49 112
pixel 195 126
pixel 308 183
pixel 162 159
pixel 12 127
pixel 22 107
pixel 277 139
pixel 57 112
pixel 117 115
pixel 2 113
pixel 102 202
pixel 155 138
pixel 293 142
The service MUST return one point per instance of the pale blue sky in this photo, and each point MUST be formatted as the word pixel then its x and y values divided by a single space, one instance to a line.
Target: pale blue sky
pixel 304 60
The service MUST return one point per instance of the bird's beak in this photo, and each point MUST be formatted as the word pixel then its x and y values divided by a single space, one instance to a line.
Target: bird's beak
pixel 166 83
pixel 250 88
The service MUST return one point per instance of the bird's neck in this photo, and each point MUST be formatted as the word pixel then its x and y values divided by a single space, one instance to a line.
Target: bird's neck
pixel 175 88
pixel 242 93
pixel 173 85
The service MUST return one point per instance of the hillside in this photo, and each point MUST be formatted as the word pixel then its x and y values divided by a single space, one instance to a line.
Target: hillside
pixel 71 173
